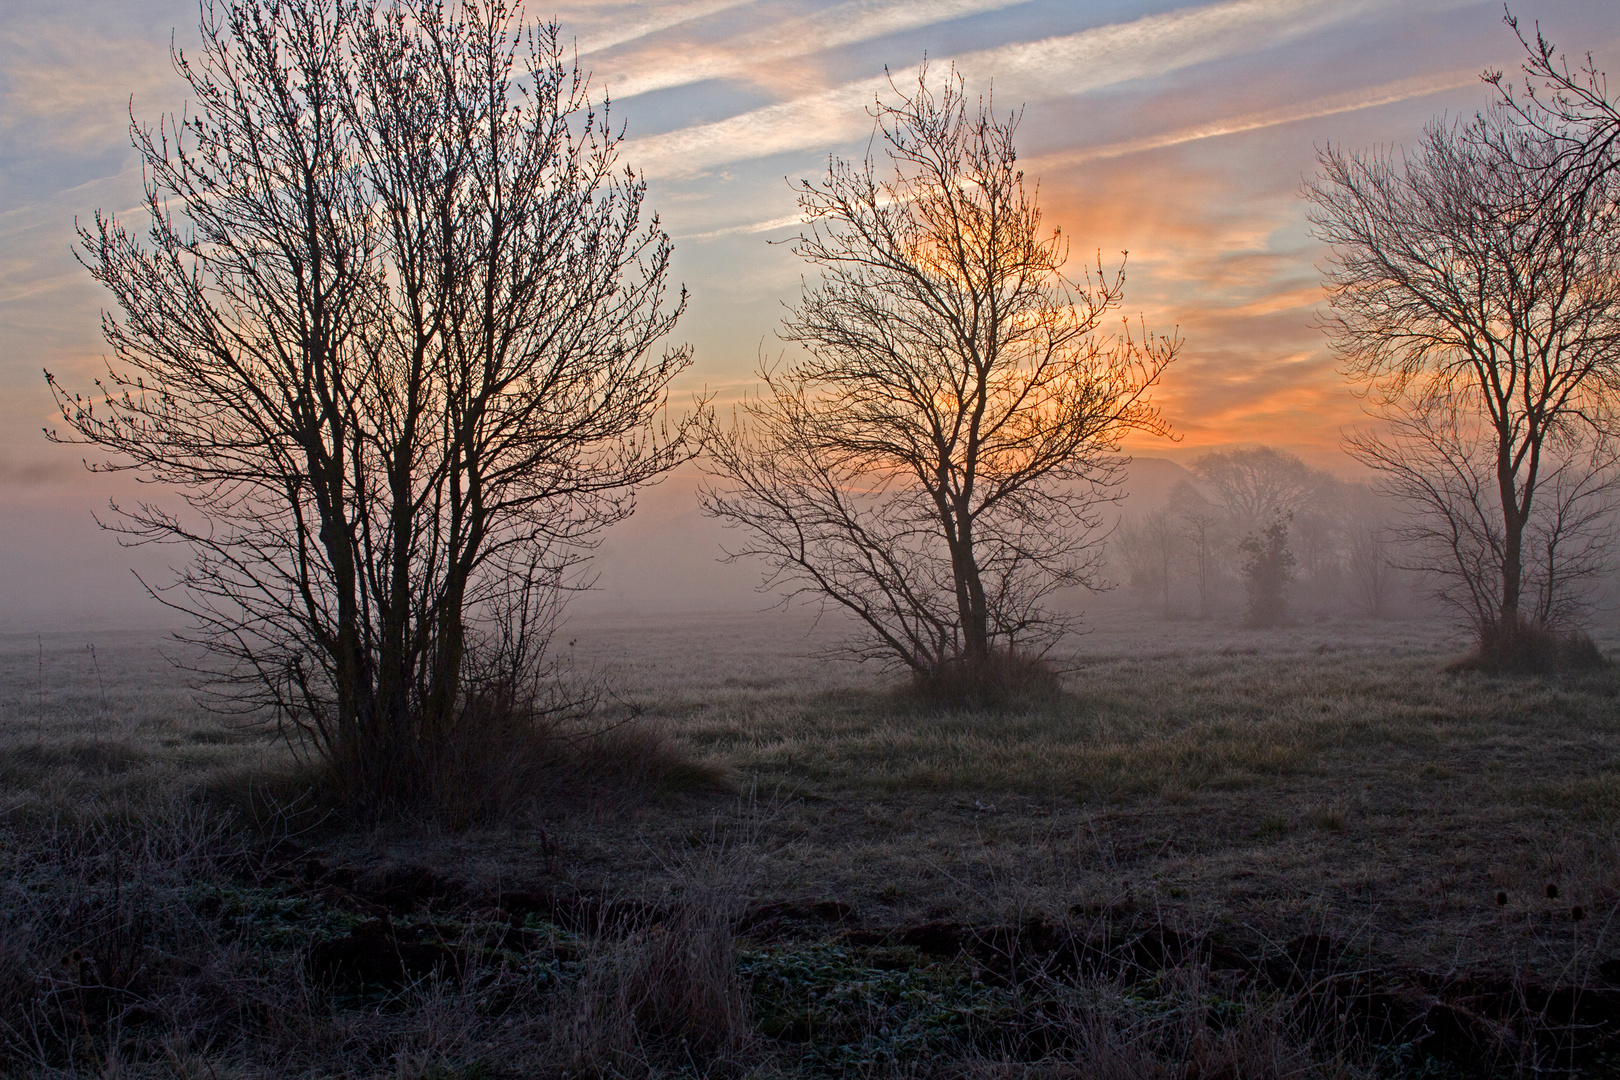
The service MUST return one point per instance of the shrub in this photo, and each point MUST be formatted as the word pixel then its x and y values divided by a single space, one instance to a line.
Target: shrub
pixel 1523 647
pixel 1005 677
pixel 1267 572
pixel 506 750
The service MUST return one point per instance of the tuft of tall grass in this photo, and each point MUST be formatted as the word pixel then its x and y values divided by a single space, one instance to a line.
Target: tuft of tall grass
pixel 503 754
pixel 662 991
pixel 1527 648
pixel 1005 678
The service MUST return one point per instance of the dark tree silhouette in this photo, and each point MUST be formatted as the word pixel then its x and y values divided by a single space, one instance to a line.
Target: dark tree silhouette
pixel 1476 292
pixel 391 337
pixel 1267 571
pixel 1255 484
pixel 934 463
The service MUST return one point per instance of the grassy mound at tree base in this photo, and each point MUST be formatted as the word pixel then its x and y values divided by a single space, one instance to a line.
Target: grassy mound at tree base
pixel 1003 678
pixel 488 770
pixel 1526 648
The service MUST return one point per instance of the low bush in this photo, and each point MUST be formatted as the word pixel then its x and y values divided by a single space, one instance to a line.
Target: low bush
pixel 1527 648
pixel 1005 678
pixel 501 756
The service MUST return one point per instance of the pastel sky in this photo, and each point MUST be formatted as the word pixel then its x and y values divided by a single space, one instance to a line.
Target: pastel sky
pixel 1178 132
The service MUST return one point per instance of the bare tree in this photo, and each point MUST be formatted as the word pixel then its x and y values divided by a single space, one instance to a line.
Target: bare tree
pixel 391 337
pixel 1439 467
pixel 1251 489
pixel 1372 572
pixel 1153 546
pixel 1476 292
pixel 1370 551
pixel 1255 484
pixel 934 464
pixel 1203 529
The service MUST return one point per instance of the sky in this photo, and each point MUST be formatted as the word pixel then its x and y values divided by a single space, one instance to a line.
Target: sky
pixel 1179 133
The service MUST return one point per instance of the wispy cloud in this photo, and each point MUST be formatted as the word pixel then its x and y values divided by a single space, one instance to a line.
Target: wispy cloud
pixel 1027 71
pixel 758 55
pixel 57 92
pixel 752 227
pixel 630 22
pixel 1291 300
pixel 1329 105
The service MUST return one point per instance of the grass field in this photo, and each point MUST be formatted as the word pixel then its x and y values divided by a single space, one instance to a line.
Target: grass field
pixel 1235 792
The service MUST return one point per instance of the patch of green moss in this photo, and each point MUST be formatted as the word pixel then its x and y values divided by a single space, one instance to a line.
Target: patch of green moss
pixel 860 1010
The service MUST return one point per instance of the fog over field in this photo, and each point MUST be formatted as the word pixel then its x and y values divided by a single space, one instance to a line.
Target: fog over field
pixel 668 557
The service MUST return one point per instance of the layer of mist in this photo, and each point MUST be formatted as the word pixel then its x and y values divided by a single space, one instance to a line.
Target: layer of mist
pixel 64 572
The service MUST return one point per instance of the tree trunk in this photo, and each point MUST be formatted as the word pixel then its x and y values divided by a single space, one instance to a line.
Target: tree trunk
pixel 971 606
pixel 1508 623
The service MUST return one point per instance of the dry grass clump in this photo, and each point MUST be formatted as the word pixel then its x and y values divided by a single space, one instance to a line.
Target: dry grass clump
pixel 662 991
pixel 1004 678
pixel 1527 648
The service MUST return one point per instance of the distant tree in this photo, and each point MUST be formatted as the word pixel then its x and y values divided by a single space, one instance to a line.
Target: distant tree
pixel 1372 571
pixel 1202 528
pixel 1153 546
pixel 933 466
pixel 1317 537
pixel 1370 551
pixel 1254 484
pixel 392 338
pixel 1248 488
pixel 1268 569
pixel 1476 292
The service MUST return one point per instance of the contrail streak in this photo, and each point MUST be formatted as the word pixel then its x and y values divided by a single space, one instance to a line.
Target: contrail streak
pixel 1028 71
pixel 661 19
pixel 753 54
pixel 1331 105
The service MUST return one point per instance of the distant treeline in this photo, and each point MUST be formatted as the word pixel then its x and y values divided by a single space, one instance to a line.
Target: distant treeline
pixel 1183 555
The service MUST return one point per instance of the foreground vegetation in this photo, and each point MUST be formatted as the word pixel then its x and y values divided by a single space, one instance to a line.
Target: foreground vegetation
pixel 1303 852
